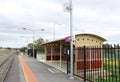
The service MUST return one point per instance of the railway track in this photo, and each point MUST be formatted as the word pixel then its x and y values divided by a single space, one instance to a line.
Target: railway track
pixel 5 64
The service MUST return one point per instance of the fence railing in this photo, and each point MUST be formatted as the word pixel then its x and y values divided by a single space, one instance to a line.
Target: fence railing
pixel 96 64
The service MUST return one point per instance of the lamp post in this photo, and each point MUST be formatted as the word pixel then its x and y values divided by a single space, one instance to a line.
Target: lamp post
pixel 33 31
pixel 69 9
pixel 32 37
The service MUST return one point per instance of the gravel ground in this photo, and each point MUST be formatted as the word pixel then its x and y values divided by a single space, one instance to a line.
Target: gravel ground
pixel 13 74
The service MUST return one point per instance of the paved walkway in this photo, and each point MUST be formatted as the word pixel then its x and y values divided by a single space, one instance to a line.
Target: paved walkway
pixel 46 73
pixel 55 64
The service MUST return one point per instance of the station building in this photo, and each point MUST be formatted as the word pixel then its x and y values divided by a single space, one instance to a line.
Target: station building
pixel 59 51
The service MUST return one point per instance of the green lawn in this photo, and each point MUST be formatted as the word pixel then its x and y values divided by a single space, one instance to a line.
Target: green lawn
pixel 113 68
pixel 113 63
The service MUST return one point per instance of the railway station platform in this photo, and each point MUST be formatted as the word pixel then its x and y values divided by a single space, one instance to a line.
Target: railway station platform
pixel 32 70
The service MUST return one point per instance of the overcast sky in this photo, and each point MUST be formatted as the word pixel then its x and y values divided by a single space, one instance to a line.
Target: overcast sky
pixel 100 17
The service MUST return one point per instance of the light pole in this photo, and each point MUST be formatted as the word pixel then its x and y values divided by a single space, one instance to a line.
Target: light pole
pixel 33 31
pixel 69 9
pixel 32 37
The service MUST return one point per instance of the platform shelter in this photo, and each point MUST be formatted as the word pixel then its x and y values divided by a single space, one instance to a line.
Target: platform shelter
pixel 59 51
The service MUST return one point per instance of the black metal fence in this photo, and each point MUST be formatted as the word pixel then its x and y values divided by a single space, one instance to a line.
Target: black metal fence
pixel 96 64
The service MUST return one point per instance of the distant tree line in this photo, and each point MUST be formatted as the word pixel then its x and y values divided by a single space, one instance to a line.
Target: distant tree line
pixel 37 45
pixel 111 49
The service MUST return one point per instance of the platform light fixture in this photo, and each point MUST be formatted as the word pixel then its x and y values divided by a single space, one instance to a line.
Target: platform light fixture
pixel 33 32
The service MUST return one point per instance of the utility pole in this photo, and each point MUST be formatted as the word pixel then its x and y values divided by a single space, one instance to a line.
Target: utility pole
pixel 69 8
pixel 71 42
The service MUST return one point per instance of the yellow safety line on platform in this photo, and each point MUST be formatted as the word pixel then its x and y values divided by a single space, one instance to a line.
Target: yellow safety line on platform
pixel 23 69
pixel 29 76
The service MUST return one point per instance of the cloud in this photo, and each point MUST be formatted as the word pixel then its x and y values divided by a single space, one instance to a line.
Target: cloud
pixel 101 17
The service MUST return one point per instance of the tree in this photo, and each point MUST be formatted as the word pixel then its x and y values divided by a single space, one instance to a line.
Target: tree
pixel 30 45
pixel 23 49
pixel 38 45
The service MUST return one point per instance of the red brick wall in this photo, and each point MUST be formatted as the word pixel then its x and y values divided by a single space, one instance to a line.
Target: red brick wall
pixel 80 65
pixel 54 57
pixel 94 64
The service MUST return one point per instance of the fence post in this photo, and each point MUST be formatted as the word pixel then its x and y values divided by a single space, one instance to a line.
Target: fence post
pixel 84 64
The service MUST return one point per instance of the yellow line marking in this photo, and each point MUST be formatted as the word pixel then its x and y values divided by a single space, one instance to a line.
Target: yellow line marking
pixel 23 68
pixel 29 76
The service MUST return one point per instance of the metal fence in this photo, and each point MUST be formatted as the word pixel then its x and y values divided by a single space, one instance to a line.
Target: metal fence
pixel 96 64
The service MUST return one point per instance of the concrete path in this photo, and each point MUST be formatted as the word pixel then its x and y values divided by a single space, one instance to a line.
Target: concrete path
pixel 32 70
pixel 46 73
